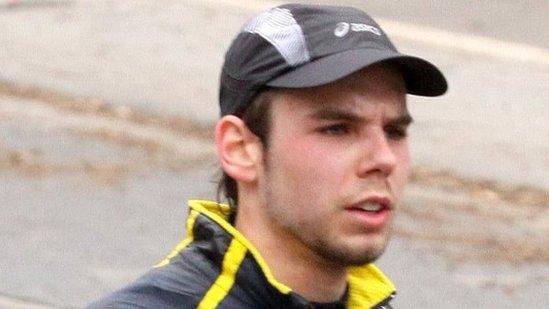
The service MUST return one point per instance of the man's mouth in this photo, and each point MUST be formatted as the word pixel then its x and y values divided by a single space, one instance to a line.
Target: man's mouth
pixel 373 204
pixel 371 207
pixel 373 212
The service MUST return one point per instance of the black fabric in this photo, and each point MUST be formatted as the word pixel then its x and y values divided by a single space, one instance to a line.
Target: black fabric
pixel 244 73
pixel 211 242
pixel 253 290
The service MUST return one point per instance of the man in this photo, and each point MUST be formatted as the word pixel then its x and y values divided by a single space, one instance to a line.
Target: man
pixel 313 145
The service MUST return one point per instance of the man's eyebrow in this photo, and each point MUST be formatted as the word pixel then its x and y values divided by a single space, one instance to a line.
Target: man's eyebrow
pixel 403 120
pixel 336 114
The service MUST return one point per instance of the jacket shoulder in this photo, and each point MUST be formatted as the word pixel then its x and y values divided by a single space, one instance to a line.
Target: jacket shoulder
pixel 180 284
pixel 146 296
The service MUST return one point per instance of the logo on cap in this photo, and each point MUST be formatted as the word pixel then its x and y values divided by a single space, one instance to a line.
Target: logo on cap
pixel 342 29
pixel 365 28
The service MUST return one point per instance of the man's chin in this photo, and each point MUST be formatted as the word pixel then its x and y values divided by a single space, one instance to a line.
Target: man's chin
pixel 364 257
pixel 354 255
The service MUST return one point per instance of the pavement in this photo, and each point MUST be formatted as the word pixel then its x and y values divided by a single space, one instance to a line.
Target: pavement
pixel 106 117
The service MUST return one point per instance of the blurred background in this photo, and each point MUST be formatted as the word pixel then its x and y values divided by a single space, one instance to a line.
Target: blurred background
pixel 106 117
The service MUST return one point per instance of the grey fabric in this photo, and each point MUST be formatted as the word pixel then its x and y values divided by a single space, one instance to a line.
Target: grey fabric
pixel 313 45
pixel 278 27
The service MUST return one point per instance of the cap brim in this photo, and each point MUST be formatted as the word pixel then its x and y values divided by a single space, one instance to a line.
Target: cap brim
pixel 421 77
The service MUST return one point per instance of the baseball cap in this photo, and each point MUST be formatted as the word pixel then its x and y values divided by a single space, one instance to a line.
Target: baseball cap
pixel 299 46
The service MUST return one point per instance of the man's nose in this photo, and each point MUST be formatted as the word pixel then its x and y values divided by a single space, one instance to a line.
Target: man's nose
pixel 378 155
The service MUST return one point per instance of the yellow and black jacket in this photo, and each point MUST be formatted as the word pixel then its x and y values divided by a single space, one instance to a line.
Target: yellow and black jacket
pixel 216 267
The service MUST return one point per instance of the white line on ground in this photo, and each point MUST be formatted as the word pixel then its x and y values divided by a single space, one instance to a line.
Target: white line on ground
pixel 13 303
pixel 428 35
pixel 49 116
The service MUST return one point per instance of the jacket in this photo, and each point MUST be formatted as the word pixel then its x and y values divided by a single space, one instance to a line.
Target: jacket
pixel 215 266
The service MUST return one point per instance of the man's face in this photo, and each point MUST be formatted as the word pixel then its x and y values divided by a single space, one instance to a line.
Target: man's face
pixel 337 163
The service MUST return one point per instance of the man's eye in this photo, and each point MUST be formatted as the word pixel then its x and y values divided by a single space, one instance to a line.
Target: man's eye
pixel 335 129
pixel 396 133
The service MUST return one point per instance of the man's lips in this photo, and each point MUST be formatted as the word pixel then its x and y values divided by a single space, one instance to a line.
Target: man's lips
pixel 373 211
pixel 368 203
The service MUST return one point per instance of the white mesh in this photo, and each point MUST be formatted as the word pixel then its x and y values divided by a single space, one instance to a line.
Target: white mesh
pixel 279 28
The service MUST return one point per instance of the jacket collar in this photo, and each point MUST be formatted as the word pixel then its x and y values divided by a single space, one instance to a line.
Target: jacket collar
pixel 368 286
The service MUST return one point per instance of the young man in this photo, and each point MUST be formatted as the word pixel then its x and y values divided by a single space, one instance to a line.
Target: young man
pixel 313 145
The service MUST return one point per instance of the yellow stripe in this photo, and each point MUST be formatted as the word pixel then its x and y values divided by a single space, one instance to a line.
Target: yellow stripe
pixel 367 286
pixel 208 208
pixel 188 239
pixel 223 284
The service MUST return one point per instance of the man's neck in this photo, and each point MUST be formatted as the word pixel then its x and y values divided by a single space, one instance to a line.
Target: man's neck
pixel 292 263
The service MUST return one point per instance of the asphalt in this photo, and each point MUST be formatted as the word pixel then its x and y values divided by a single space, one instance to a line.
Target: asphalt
pixel 106 115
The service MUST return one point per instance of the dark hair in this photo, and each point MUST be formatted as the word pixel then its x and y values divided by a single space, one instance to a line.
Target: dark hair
pixel 257 118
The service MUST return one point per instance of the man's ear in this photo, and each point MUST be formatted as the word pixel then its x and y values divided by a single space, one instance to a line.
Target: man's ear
pixel 238 149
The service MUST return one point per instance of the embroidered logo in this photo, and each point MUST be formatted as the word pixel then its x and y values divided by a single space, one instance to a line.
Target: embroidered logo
pixel 343 28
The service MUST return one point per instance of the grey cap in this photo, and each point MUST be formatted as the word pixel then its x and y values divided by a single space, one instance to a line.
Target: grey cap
pixel 298 46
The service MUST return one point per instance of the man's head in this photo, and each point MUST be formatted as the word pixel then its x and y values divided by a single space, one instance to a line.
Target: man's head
pixel 313 128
